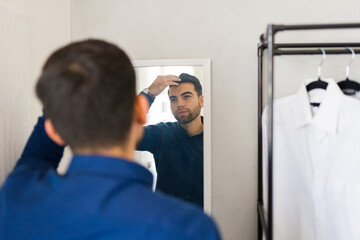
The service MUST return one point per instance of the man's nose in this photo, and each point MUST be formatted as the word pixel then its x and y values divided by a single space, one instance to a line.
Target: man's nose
pixel 180 104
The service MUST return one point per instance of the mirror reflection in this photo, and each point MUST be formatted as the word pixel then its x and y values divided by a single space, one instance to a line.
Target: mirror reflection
pixel 173 144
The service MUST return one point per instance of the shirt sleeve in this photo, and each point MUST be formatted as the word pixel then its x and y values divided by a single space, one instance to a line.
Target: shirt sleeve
pixel 152 139
pixel 40 151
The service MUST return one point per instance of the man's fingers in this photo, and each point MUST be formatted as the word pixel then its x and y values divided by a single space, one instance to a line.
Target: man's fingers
pixel 174 84
pixel 161 82
pixel 171 78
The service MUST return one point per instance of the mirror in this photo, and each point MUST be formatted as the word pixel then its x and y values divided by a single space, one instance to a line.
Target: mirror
pixel 160 110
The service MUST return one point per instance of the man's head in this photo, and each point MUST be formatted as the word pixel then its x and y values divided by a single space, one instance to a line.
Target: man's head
pixel 186 99
pixel 87 90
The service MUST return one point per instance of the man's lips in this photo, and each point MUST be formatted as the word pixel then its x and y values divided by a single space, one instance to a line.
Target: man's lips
pixel 181 112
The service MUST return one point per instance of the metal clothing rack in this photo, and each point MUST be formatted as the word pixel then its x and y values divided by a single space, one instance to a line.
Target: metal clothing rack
pixel 267 42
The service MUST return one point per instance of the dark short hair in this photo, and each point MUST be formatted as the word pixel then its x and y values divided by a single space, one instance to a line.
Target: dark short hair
pixel 191 79
pixel 87 89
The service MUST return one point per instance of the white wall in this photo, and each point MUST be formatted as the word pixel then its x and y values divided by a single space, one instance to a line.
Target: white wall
pixel 31 30
pixel 227 32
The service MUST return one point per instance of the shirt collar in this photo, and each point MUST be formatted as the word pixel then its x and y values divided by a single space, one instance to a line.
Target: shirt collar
pixel 327 117
pixel 183 131
pixel 111 167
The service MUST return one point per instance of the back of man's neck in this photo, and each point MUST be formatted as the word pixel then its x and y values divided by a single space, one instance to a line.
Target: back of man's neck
pixel 115 152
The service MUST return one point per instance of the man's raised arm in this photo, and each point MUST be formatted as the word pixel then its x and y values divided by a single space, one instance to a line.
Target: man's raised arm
pixel 40 151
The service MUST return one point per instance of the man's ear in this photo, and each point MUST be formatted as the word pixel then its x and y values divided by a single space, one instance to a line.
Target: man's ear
pixel 141 108
pixel 201 100
pixel 52 133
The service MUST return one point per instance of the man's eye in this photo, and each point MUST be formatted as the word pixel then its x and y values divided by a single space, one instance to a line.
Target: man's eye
pixel 187 96
pixel 172 100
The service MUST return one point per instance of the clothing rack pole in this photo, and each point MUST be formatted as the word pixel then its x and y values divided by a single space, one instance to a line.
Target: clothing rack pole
pixel 278 50
pixel 277 28
pixel 270 99
pixel 261 216
pixel 315 45
pixel 313 52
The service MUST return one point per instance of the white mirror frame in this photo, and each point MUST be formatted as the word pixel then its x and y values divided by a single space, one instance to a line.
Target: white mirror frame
pixel 206 64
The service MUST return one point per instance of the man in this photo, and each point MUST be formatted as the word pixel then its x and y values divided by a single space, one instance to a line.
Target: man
pixel 178 146
pixel 87 88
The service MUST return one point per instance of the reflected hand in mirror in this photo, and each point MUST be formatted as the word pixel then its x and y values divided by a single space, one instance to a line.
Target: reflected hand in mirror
pixel 161 82
pixel 177 146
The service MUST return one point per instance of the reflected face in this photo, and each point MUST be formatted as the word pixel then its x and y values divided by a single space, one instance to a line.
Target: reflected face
pixel 185 103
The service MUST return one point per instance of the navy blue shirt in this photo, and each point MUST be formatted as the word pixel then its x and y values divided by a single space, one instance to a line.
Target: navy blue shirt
pixel 99 198
pixel 178 158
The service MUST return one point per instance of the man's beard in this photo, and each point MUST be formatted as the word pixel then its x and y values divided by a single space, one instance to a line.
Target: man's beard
pixel 188 118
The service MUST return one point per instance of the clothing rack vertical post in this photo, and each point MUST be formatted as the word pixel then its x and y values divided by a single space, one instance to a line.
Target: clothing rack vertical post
pixel 267 42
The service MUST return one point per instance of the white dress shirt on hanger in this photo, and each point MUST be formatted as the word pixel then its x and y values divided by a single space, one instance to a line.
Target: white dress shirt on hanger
pixel 316 165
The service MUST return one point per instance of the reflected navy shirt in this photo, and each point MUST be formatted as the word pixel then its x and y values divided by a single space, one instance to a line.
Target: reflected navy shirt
pixel 178 158
pixel 99 198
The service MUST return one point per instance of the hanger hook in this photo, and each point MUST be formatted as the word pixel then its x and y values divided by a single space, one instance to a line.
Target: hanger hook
pixel 352 59
pixel 321 63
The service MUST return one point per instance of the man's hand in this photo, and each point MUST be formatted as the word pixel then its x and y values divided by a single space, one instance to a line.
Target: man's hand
pixel 161 82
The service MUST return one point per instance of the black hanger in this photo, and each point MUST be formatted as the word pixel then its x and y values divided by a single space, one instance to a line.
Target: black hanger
pixel 318 84
pixel 349 87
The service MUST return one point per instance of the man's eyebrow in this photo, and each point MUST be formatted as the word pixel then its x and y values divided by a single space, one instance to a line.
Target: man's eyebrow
pixel 184 93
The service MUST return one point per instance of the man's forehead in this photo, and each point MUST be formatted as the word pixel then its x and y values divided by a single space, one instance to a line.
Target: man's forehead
pixel 183 87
